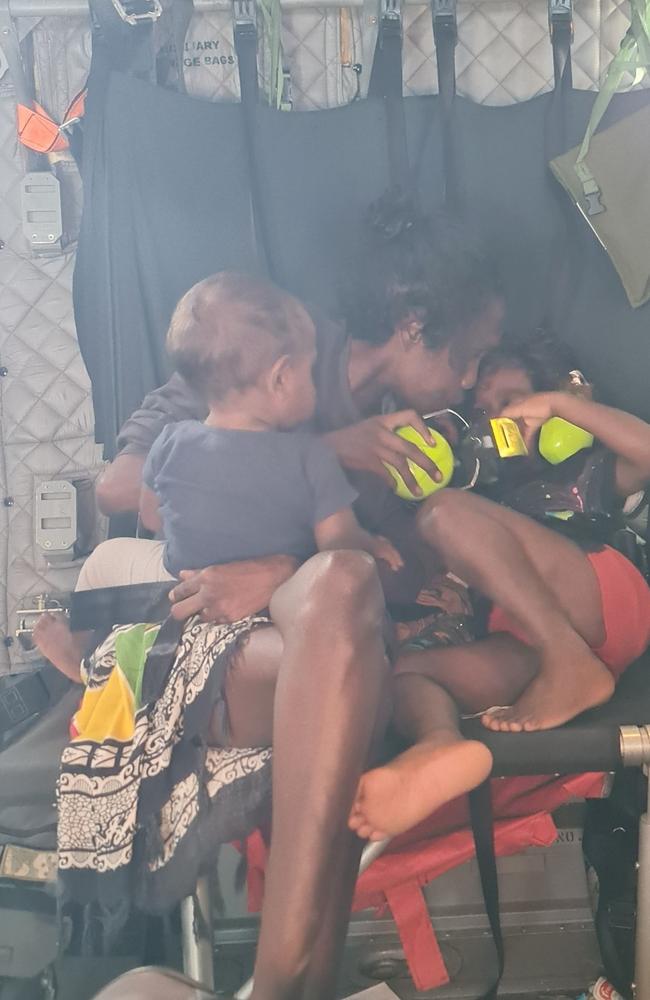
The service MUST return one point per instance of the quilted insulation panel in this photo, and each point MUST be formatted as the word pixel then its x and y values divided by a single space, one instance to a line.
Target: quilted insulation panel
pixel 503 53
pixel 46 419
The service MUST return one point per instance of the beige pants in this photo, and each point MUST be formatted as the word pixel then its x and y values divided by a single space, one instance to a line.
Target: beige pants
pixel 120 562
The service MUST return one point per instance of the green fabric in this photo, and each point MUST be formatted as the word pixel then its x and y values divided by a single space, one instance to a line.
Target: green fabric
pixel 272 15
pixel 617 207
pixel 131 649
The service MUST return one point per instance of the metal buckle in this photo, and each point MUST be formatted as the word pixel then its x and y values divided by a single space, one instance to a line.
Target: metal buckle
pixel 31 611
pixel 244 11
pixel 560 15
pixel 445 18
pixel 134 12
pixel 390 11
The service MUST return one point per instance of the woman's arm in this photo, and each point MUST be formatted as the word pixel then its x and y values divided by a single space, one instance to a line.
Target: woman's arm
pixel 232 591
pixel 118 487
pixel 626 436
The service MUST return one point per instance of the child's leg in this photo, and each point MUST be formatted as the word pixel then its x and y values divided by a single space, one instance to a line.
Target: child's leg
pixel 477 675
pixel 438 768
pixel 117 562
pixel 121 562
pixel 546 585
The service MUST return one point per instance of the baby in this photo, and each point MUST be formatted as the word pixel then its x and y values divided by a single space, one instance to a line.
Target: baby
pixel 245 483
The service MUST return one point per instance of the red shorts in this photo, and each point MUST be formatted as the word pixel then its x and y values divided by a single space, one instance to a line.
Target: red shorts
pixel 625 597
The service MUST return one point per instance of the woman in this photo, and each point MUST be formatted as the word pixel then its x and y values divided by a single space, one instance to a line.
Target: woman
pixel 591 605
pixel 311 685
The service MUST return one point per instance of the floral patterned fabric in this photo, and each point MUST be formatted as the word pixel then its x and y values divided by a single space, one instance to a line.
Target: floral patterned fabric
pixel 143 802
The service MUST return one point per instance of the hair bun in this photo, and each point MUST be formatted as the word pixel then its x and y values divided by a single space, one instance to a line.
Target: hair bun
pixel 392 215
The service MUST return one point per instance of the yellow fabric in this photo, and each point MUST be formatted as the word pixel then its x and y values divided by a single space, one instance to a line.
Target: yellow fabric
pixel 107 712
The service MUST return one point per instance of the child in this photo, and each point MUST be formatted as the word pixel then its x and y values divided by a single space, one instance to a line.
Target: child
pixel 602 603
pixel 239 485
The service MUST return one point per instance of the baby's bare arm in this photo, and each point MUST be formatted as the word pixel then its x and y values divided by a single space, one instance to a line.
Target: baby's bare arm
pixel 343 531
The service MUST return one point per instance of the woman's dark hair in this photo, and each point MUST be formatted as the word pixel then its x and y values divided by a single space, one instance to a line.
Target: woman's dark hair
pixel 414 266
pixel 545 359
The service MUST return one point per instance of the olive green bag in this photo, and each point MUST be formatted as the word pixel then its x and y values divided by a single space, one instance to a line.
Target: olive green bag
pixel 608 176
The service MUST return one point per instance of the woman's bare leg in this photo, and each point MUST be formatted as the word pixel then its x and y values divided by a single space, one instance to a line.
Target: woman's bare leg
pixel 440 766
pixel 64 649
pixel 545 583
pixel 313 684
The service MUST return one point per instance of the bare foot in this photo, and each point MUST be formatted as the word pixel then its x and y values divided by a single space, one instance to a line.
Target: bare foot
pixel 559 693
pixel 397 797
pixel 52 636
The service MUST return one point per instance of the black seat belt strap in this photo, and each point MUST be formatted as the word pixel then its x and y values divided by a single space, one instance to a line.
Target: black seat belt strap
pixel 245 35
pixel 106 607
pixel 445 35
pixel 480 810
pixel 560 15
pixel 386 81
pixel 23 697
pixel 124 29
pixel 560 20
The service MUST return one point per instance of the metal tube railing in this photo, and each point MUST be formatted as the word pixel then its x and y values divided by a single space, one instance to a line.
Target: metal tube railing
pixel 79 8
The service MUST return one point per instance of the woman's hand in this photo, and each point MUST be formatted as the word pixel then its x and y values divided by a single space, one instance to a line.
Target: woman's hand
pixel 230 592
pixel 369 444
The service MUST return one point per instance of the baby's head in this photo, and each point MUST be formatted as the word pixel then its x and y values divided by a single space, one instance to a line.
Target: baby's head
pixel 519 367
pixel 243 344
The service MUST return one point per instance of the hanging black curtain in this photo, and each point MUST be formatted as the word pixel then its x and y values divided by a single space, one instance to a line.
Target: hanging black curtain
pixel 167 202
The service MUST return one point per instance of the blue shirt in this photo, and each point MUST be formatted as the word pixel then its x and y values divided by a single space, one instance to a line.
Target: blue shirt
pixel 230 495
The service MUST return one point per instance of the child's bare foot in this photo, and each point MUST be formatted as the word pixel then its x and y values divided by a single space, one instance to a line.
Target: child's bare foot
pixel 561 691
pixel 397 797
pixel 52 636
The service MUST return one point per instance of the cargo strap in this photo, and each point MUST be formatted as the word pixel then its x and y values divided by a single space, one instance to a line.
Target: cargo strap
pixel 123 34
pixel 480 810
pixel 25 697
pixel 23 87
pixel 386 81
pixel 445 34
pixel 245 32
pixel 10 45
pixel 40 133
pixel 560 22
pixel 560 285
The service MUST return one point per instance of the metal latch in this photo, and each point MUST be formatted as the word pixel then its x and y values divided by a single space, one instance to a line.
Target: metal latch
pixel 31 611
pixel 41 205
pixel 134 12
pixel 560 16
pixel 244 12
pixel 55 513
pixel 391 10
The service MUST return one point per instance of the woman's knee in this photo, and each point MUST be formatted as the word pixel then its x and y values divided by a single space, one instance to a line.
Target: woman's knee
pixel 341 577
pixel 336 586
pixel 439 517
